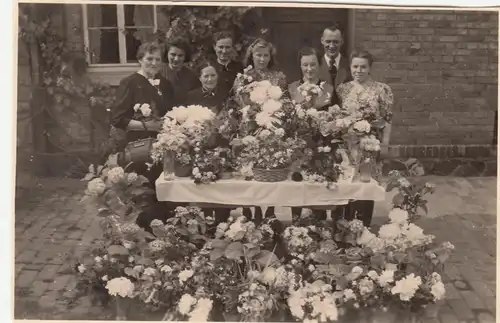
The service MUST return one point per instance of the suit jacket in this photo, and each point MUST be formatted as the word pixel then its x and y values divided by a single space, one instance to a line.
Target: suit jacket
pixel 343 72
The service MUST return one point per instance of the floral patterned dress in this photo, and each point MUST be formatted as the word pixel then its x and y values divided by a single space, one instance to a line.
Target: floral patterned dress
pixel 372 99
pixel 276 78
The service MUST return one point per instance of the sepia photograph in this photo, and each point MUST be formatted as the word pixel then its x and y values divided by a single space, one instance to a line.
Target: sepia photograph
pixel 255 162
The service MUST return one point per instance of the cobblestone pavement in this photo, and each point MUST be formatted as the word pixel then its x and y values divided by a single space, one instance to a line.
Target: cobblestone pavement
pixel 51 227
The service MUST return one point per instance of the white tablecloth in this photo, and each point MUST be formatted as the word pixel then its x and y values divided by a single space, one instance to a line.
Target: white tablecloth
pixel 239 192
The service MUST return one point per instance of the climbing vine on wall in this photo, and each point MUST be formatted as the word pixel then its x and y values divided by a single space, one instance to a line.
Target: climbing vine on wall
pixel 62 90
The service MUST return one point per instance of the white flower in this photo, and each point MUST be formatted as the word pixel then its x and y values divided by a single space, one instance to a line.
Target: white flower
pixel 327 149
pixel 312 113
pixel 264 134
pixel 356 271
pixel 268 275
pixel 185 275
pixel 398 215
pixel 155 82
pixel 389 231
pixel 274 92
pixel 149 271
pixel 201 310
pixel 185 304
pixel 82 268
pixel 120 287
pixel 300 112
pixel 366 286
pixel 348 294
pixel 222 226
pixel 258 95
pixel 404 182
pixel 407 287
pixel 280 132
pixel 96 187
pixel 132 177
pixel 311 268
pixel 372 274
pixel 127 244
pixel 104 278
pixel 97 259
pixel 166 269
pixel 137 106
pixel 271 106
pixel 438 291
pixel 115 175
pixel 386 277
pixel 362 126
pixel 145 110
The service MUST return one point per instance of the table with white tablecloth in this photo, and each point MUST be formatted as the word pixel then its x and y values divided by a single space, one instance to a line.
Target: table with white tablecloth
pixel 240 192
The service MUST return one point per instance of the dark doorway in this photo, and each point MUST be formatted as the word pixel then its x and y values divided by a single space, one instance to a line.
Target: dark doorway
pixel 293 28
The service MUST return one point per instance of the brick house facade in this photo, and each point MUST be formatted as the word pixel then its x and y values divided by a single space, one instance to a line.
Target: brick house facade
pixel 442 66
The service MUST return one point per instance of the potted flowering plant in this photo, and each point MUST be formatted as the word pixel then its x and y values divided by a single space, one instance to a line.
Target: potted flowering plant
pixel 410 195
pixel 185 131
pixel 212 164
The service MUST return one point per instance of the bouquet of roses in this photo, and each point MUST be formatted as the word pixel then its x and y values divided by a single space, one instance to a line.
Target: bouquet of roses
pixel 183 129
pixel 144 112
pixel 314 95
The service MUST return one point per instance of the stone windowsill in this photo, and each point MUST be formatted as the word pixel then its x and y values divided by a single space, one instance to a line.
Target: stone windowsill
pixel 111 74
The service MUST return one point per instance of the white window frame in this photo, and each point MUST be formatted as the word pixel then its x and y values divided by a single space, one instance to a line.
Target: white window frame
pixel 112 73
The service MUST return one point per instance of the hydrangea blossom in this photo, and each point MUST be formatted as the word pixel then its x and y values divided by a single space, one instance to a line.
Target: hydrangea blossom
pixel 120 286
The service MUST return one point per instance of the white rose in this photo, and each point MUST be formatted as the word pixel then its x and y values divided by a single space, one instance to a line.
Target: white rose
pixel 274 92
pixel 137 106
pixel 327 149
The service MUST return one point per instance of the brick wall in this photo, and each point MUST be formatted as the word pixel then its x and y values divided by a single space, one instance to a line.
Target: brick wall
pixel 442 67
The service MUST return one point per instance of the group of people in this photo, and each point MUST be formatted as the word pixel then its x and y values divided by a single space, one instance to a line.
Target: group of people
pixel 164 81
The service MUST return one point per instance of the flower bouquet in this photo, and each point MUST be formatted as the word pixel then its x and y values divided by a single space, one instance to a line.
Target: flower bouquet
pixel 212 164
pixel 315 96
pixel 270 154
pixel 185 131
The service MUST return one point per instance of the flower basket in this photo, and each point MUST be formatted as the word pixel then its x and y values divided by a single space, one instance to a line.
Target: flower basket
pixel 226 175
pixel 182 170
pixel 270 175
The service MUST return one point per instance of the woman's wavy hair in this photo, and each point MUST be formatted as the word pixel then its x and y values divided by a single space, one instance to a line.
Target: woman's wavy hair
pixel 202 64
pixel 179 43
pixel 149 47
pixel 260 43
pixel 360 53
pixel 307 51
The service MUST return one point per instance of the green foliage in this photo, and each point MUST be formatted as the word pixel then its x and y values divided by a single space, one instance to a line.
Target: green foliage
pixel 197 24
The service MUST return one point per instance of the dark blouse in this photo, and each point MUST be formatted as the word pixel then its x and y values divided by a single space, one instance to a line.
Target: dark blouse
pixel 137 89
pixel 183 81
pixel 227 75
pixel 213 100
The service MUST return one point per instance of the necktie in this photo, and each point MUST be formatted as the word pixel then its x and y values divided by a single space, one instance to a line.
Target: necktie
pixel 333 71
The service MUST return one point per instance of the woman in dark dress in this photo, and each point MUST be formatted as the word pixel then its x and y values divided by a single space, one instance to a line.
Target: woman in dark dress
pixel 182 78
pixel 144 86
pixel 210 95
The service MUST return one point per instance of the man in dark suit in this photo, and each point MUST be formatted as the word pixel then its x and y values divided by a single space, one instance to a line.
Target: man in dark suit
pixel 227 68
pixel 335 70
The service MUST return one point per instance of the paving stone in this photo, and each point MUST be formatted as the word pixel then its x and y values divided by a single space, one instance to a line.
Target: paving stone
pixel 26 256
pixel 461 309
pixel 26 278
pixel 49 272
pixel 452 271
pixel 48 300
pixel 60 282
pixel 473 300
pixel 448 318
pixel 38 288
pixel 451 291
pixel 486 318
pixel 482 289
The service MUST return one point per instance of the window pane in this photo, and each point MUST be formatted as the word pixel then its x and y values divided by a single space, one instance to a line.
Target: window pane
pixel 134 38
pixel 101 15
pixel 139 16
pixel 103 46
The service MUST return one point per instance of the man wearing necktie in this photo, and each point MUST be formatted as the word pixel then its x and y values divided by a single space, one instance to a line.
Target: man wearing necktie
pixel 334 69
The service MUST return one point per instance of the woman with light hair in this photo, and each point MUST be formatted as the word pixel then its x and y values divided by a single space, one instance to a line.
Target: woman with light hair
pixel 261 57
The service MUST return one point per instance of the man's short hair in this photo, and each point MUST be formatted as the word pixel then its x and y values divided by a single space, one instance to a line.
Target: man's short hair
pixel 334 27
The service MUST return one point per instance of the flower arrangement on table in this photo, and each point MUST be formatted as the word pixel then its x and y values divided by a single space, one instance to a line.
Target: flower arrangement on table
pixel 267 139
pixel 192 269
pixel 186 133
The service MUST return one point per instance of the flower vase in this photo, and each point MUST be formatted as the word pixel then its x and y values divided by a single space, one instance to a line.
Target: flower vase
pixel 122 306
pixel 168 163
pixel 384 316
pixel 226 175
pixel 365 170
